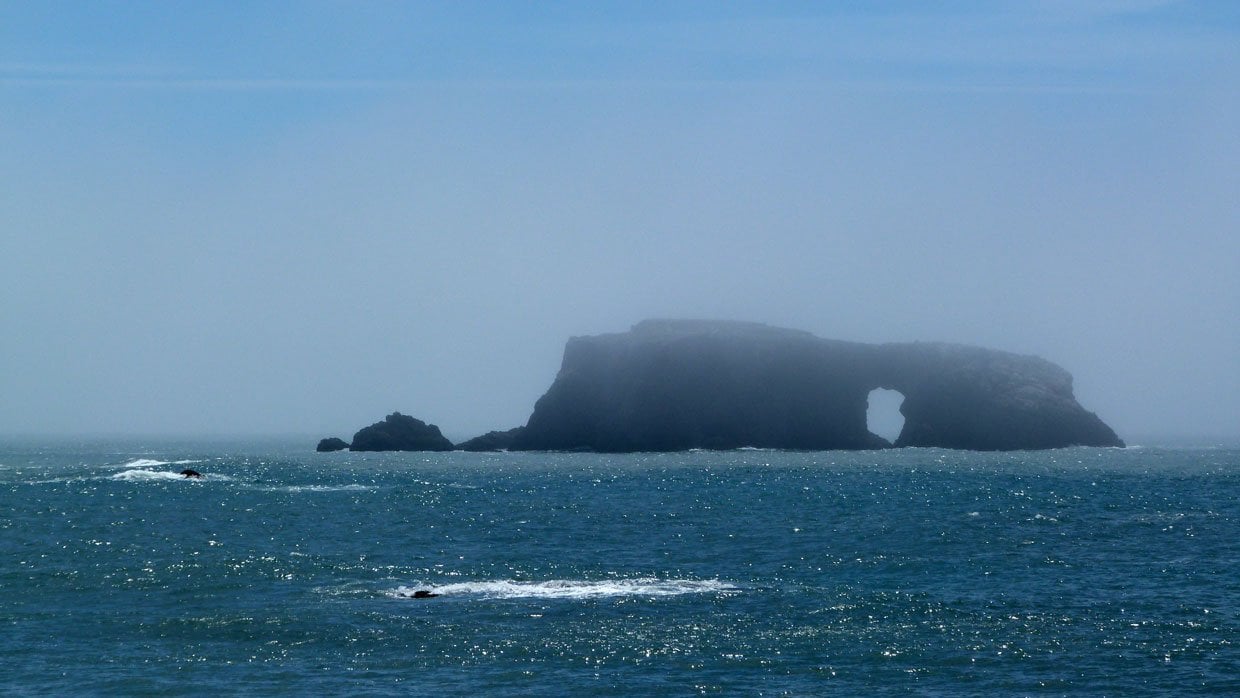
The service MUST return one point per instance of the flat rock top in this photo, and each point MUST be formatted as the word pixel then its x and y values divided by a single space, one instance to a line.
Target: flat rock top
pixel 668 384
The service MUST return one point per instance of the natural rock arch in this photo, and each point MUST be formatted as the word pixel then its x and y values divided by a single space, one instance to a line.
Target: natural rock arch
pixel 674 385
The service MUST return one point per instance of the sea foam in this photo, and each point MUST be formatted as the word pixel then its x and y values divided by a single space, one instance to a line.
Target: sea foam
pixel 320 488
pixel 144 475
pixel 152 463
pixel 577 589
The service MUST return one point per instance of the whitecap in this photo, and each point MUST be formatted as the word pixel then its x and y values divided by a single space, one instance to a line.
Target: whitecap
pixel 576 588
pixel 320 488
pixel 152 475
pixel 152 463
pixel 145 475
pixel 143 463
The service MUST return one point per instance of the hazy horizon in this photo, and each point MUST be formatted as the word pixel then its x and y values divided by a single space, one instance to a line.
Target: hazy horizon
pixel 296 219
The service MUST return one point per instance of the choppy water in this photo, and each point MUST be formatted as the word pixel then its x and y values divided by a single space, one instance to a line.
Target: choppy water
pixel 1081 571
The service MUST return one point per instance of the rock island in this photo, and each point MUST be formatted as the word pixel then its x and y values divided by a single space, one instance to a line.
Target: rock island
pixel 670 385
pixel 676 385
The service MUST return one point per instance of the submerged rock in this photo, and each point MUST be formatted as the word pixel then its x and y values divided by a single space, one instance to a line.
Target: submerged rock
pixel 669 385
pixel 492 441
pixel 398 432
pixel 331 444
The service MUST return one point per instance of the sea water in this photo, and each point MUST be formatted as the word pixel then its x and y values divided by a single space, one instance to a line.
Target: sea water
pixel 919 571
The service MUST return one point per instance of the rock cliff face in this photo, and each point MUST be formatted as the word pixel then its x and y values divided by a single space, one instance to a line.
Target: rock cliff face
pixel 674 385
pixel 398 432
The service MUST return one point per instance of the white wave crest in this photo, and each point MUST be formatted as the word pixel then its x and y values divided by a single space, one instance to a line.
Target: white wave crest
pixel 143 475
pixel 57 480
pixel 576 589
pixel 152 475
pixel 322 488
pixel 152 463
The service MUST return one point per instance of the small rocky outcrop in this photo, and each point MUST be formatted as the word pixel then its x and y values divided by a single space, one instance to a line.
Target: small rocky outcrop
pixel 331 444
pixel 398 432
pixel 492 441
pixel 670 385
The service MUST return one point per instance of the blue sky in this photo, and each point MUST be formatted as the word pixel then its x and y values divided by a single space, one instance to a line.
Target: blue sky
pixel 234 45
pixel 296 217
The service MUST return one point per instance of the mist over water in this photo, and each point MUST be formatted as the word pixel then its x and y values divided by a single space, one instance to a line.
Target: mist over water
pixel 291 230
pixel 221 224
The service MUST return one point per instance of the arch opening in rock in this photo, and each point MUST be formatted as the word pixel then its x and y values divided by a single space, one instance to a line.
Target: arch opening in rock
pixel 882 415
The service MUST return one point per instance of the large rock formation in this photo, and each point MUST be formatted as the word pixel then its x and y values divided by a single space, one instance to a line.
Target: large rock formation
pixel 398 432
pixel 331 444
pixel 674 385
pixel 491 441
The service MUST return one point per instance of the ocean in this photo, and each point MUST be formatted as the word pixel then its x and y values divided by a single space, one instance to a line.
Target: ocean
pixel 906 572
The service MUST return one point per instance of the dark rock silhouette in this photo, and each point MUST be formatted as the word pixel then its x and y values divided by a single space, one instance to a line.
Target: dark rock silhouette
pixel 669 385
pixel 191 473
pixel 331 444
pixel 491 441
pixel 398 432
pixel 422 594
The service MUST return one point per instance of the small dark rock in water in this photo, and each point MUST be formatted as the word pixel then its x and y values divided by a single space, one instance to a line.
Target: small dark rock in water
pixel 492 441
pixel 423 594
pixel 398 432
pixel 331 444
pixel 191 473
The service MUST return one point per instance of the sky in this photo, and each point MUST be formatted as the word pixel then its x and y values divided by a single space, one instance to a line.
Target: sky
pixel 296 217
